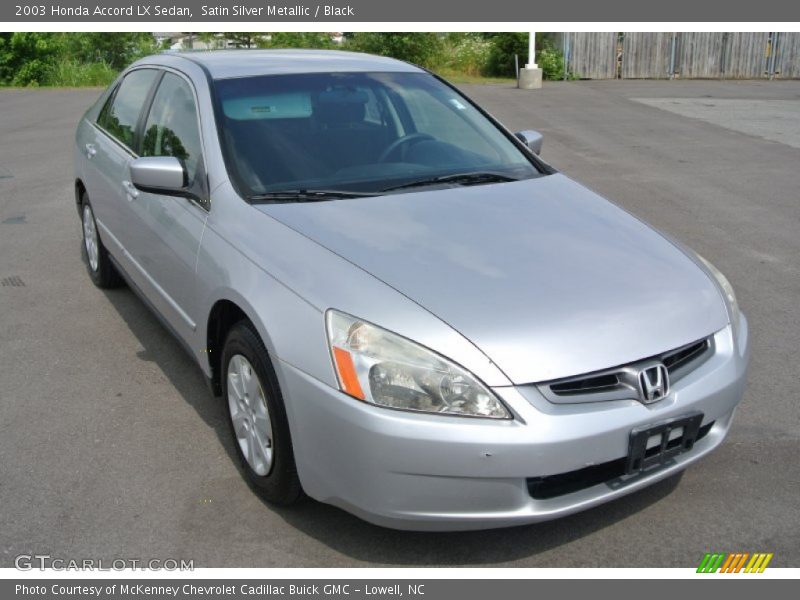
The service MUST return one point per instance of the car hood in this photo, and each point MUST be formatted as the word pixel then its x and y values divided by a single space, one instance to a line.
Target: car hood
pixel 547 278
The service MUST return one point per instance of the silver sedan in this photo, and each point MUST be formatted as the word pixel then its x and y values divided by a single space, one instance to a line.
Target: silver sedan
pixel 406 311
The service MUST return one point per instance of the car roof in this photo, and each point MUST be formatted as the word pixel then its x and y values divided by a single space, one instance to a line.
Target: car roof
pixel 223 64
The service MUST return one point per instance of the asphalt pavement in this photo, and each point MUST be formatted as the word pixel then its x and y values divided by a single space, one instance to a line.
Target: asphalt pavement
pixel 112 447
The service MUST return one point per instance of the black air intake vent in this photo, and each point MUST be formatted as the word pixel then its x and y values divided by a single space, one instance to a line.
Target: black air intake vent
pixel 682 357
pixel 586 386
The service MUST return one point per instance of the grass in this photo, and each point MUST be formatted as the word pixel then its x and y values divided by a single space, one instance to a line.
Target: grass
pixel 70 74
pixel 75 74
pixel 458 77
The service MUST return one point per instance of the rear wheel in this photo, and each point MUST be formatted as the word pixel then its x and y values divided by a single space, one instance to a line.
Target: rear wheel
pixel 98 264
pixel 257 417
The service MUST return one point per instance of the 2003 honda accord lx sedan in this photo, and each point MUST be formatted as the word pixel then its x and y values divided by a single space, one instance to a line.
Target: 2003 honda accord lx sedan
pixel 408 313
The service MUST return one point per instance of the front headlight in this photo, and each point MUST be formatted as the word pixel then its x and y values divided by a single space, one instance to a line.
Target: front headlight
pixel 727 290
pixel 382 368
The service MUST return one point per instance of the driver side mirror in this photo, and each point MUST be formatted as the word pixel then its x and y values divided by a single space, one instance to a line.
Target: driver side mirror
pixel 532 139
pixel 159 175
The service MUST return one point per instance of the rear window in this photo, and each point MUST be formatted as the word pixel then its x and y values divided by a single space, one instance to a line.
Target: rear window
pixel 121 113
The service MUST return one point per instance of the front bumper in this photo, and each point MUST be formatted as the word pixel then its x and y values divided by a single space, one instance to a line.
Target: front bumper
pixel 428 472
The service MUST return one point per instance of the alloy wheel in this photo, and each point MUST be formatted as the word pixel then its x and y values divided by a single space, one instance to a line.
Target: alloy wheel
pixel 90 238
pixel 249 414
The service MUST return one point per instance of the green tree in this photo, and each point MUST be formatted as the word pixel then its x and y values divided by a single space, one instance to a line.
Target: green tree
pixel 25 57
pixel 501 55
pixel 465 54
pixel 292 39
pixel 551 62
pixel 210 39
pixel 425 49
pixel 117 49
pixel 241 39
pixel 505 45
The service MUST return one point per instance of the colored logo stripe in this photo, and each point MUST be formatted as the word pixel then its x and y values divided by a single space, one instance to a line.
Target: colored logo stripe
pixel 734 562
pixel 710 563
pixel 758 563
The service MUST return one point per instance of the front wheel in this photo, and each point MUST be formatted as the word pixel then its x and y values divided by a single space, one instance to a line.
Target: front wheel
pixel 257 417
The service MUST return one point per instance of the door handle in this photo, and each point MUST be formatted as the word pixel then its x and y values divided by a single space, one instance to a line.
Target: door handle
pixel 130 189
pixel 90 150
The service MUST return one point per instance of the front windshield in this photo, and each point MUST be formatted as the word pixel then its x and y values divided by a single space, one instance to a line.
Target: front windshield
pixel 357 132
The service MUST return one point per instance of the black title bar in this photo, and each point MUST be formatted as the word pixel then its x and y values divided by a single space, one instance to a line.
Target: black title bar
pixel 263 12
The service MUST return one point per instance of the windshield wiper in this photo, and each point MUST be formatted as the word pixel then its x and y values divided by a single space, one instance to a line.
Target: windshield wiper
pixel 306 195
pixel 475 178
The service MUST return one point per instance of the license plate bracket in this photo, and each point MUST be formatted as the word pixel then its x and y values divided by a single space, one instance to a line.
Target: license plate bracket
pixel 666 439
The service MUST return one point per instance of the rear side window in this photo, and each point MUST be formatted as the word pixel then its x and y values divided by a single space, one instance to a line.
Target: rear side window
pixel 171 128
pixel 120 115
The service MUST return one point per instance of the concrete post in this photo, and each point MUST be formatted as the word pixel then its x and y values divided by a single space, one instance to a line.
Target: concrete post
pixel 530 78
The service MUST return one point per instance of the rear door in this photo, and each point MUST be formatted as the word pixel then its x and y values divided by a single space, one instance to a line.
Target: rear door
pixel 109 147
pixel 165 231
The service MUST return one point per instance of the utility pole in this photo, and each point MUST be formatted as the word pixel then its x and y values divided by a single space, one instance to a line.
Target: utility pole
pixel 531 52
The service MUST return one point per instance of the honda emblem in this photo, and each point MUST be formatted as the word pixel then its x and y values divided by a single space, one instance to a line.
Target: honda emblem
pixel 653 383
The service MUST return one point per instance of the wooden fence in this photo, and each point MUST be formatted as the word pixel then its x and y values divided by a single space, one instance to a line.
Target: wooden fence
pixel 646 55
pixel 591 55
pixel 787 56
pixel 744 55
pixel 687 55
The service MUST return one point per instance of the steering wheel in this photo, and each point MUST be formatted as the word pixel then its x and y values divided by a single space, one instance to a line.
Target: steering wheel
pixel 405 141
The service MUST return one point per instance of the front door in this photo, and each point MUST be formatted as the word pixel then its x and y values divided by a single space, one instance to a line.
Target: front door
pixel 166 230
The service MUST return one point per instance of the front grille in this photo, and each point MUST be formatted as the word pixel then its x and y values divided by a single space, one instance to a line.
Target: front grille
pixel 621 383
pixel 678 359
pixel 587 385
pixel 553 486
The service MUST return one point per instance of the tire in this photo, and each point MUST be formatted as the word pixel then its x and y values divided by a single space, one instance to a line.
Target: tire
pixel 257 417
pixel 95 256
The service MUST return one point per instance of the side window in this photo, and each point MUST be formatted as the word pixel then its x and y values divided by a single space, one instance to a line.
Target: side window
pixel 171 127
pixel 102 118
pixel 120 115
